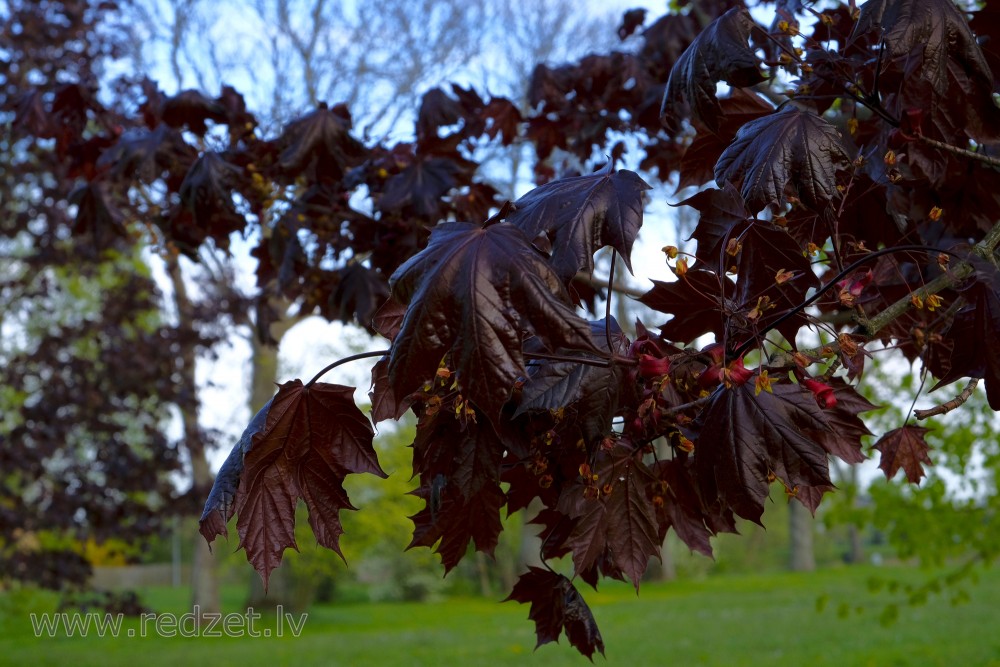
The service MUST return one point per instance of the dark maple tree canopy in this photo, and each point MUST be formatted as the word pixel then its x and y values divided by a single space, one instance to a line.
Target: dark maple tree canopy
pixel 849 187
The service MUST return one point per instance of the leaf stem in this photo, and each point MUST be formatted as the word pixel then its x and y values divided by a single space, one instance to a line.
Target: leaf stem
pixel 353 357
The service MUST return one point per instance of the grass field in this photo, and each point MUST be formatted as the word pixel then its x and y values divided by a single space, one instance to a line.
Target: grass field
pixel 748 620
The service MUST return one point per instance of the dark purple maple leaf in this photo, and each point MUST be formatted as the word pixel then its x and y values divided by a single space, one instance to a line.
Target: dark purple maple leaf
pixel 697 300
pixel 556 606
pixel 208 193
pixel 300 445
pixel 905 447
pixel 615 513
pixel 976 351
pixel 843 440
pixel 697 165
pixel 935 29
pixel 581 214
pixel 720 53
pixel 590 393
pixel 789 152
pixel 746 440
pixel 420 186
pixel 722 214
pixel 192 109
pixel 459 468
pixel 475 294
pixel 680 506
pixel 319 141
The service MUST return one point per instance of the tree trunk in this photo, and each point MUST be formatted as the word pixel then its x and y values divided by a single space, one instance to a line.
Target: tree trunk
pixel 204 572
pixel 667 570
pixel 802 558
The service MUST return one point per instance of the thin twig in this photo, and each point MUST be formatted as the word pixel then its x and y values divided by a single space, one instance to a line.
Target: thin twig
pixel 964 152
pixel 954 403
pixel 599 283
pixel 338 362
pixel 586 361
pixel 686 406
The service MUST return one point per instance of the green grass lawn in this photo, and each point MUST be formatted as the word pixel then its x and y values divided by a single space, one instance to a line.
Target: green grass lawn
pixel 749 620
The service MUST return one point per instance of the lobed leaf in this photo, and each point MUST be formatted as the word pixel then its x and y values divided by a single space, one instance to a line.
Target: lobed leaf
pixel 302 444
pixel 556 606
pixel 747 439
pixel 720 53
pixel 788 152
pixel 581 214
pixel 906 448
pixel 474 295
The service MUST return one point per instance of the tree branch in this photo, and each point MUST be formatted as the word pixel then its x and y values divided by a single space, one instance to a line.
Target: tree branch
pixel 954 403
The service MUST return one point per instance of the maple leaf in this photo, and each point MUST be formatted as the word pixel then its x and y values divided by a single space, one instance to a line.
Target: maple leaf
pixel 591 392
pixel 764 251
pixel 722 212
pixel 846 428
pixel 788 150
pixel 420 186
pixel 556 606
pixel 473 293
pixel 193 109
pixel 358 295
pixel 97 214
pixel 720 53
pixel 977 347
pixel 632 20
pixel 906 448
pixel 581 214
pixel 504 120
pixel 147 154
pixel 437 109
pixel 459 468
pixel 207 193
pixel 695 302
pixel 300 445
pixel 620 516
pixel 744 438
pixel 319 141
pixel 936 29
pixel 697 165
pixel 385 405
pixel 681 507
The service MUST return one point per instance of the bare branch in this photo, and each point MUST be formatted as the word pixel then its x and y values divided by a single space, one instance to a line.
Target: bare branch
pixel 954 403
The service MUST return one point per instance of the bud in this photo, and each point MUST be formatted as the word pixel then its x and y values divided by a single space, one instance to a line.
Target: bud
pixel 933 302
pixel 681 268
pixel 736 374
pixel 889 158
pixel 935 214
pixel 822 391
pixel 670 251
pixel 852 126
pixel 651 367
